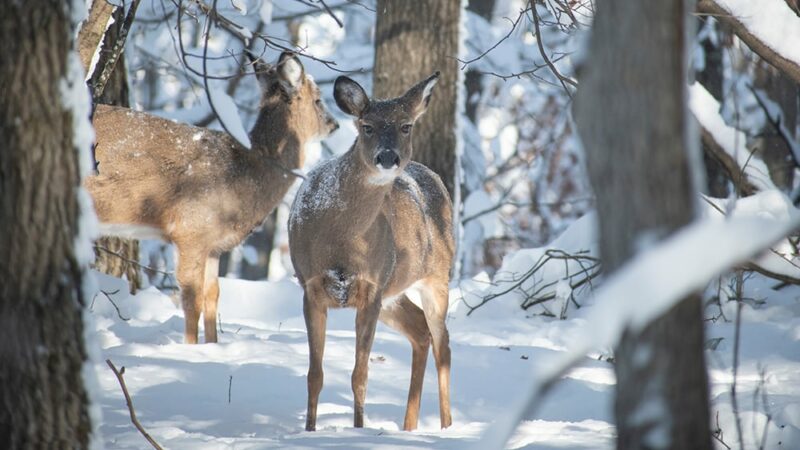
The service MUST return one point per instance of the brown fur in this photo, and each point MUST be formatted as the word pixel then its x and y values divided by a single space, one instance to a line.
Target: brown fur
pixel 359 236
pixel 200 188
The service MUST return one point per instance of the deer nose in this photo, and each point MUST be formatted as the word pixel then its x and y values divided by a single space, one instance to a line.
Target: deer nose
pixel 387 159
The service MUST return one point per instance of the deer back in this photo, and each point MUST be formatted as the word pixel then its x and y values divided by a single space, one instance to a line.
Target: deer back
pixel 197 185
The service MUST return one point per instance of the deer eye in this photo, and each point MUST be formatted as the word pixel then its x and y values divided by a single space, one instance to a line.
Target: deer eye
pixel 367 129
pixel 406 128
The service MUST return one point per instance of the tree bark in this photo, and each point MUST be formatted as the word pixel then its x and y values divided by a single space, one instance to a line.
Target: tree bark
pixel 43 402
pixel 631 115
pixel 115 93
pixel 412 41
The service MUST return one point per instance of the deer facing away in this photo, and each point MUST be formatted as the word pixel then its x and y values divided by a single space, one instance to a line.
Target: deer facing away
pixel 366 230
pixel 201 189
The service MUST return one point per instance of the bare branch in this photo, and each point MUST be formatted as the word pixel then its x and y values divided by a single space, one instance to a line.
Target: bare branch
pixel 131 261
pixel 514 24
pixel 561 78
pixel 538 295
pixel 128 400
pixel 330 13
pixel 108 297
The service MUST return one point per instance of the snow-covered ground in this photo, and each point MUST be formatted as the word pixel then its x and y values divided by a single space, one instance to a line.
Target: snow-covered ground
pixel 249 391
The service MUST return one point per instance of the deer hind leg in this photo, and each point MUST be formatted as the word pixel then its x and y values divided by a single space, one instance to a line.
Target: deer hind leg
pixel 191 272
pixel 315 312
pixel 434 304
pixel 211 298
pixel 405 317
pixel 368 310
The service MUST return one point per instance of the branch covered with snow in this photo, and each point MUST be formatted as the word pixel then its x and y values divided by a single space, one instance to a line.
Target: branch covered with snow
pixel 769 27
pixel 730 147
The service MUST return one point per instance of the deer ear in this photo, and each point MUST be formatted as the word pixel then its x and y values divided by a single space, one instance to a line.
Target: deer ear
pixel 261 69
pixel 290 69
pixel 350 96
pixel 418 97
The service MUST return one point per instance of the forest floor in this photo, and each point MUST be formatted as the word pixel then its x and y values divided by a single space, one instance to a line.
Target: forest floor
pixel 249 390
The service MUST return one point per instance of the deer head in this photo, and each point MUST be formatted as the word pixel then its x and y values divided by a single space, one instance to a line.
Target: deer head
pixel 384 126
pixel 286 85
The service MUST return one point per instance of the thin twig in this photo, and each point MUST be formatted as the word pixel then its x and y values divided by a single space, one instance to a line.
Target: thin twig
pixel 108 296
pixel 330 13
pixel 561 78
pixel 230 383
pixel 718 435
pixel 514 24
pixel 128 400
pixel 131 261
pixel 736 340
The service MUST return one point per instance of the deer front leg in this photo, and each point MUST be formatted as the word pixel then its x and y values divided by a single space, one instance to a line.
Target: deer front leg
pixel 211 298
pixel 315 312
pixel 369 307
pixel 434 303
pixel 191 270
pixel 405 317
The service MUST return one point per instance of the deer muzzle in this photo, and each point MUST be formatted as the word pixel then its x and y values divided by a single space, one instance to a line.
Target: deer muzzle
pixel 387 159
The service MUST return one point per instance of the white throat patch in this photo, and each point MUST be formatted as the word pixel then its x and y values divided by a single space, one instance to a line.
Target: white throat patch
pixel 384 176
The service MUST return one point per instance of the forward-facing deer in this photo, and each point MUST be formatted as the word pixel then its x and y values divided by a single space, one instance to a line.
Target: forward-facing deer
pixel 200 188
pixel 366 230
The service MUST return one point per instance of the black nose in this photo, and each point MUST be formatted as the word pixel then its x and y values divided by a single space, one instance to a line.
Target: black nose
pixel 387 159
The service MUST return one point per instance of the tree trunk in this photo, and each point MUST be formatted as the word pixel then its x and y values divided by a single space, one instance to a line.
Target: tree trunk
pixel 473 80
pixel 115 93
pixel 43 402
pixel 412 41
pixel 772 147
pixel 711 77
pixel 631 115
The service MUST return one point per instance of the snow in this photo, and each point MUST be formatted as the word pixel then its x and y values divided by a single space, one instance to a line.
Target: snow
pixel 318 191
pixel 181 392
pixel 229 115
pixel 771 21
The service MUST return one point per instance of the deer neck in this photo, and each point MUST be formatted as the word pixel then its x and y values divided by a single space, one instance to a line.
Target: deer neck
pixel 275 135
pixel 368 200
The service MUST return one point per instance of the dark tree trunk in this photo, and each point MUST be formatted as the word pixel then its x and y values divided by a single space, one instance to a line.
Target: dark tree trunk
pixel 772 147
pixel 473 80
pixel 631 116
pixel 116 93
pixel 43 402
pixel 413 40
pixel 711 78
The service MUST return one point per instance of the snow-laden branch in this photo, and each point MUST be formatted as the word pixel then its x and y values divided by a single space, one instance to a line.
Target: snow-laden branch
pixel 769 27
pixel 644 289
pixel 730 141
pixel 779 261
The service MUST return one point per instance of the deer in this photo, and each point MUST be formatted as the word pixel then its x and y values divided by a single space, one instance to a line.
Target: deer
pixel 372 230
pixel 201 189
